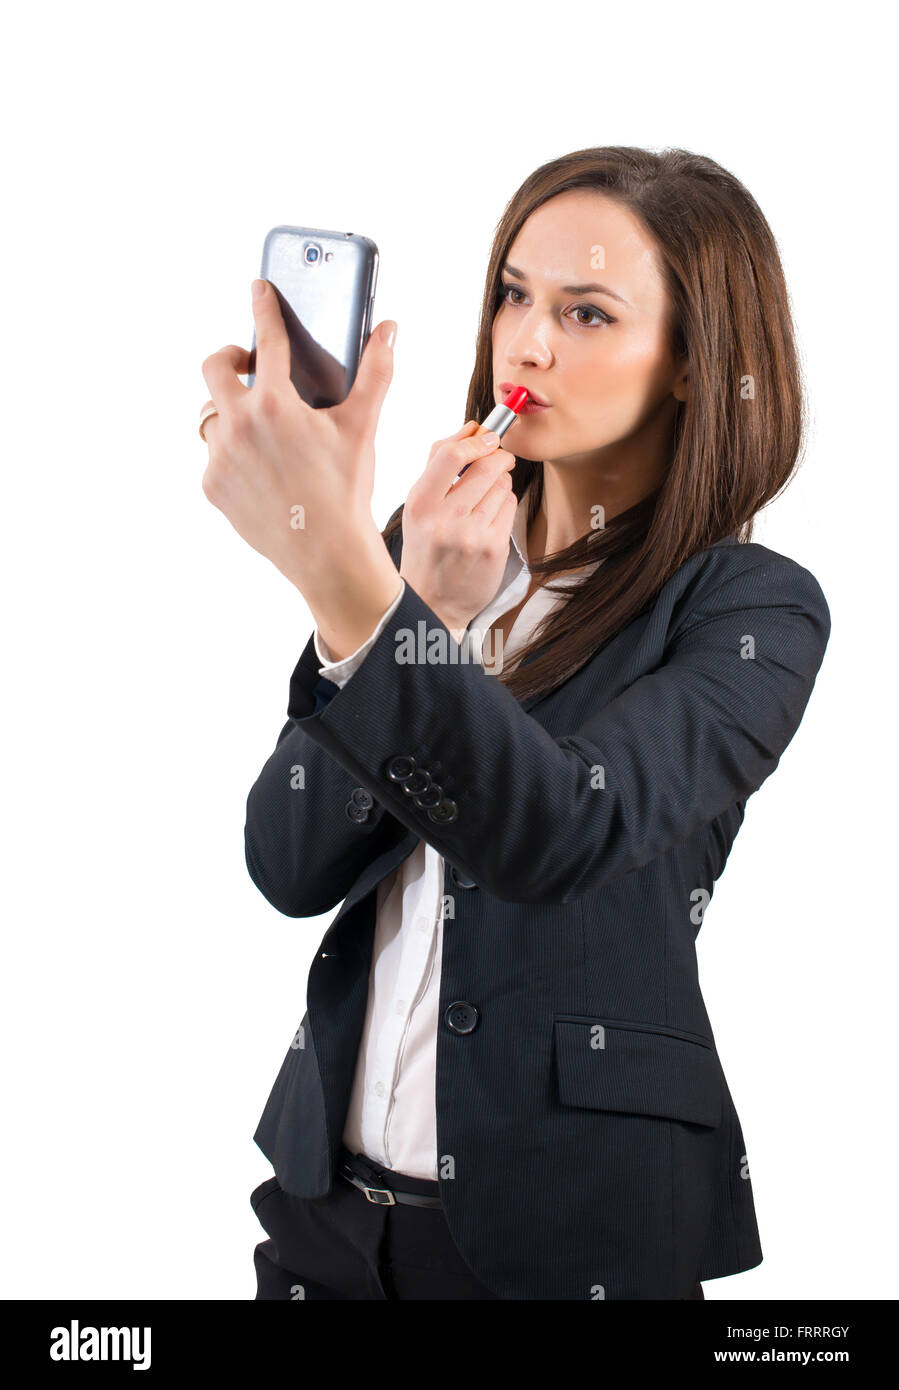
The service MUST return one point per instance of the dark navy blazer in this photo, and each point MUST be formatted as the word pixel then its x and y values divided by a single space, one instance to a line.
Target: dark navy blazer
pixel 587 1142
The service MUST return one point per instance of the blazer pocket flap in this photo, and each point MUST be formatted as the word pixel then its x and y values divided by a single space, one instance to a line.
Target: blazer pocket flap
pixel 603 1065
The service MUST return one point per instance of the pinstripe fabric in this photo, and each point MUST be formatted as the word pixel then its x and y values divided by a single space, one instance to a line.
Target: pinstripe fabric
pixel 587 1140
pixel 391 1114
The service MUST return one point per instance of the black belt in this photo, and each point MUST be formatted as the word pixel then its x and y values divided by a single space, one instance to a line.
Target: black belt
pixel 359 1171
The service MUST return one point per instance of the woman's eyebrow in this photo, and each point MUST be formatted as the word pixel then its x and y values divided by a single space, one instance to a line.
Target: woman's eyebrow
pixel 572 289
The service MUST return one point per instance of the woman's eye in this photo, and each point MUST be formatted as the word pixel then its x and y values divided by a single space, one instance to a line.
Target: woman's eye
pixel 589 309
pixel 598 315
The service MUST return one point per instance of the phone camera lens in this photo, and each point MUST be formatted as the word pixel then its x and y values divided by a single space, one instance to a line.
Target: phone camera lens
pixel 311 254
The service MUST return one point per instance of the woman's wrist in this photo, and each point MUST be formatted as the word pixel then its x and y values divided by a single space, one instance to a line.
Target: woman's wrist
pixel 456 630
pixel 356 587
pixel 456 626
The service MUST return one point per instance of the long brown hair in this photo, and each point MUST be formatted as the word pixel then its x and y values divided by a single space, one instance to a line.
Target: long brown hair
pixel 736 442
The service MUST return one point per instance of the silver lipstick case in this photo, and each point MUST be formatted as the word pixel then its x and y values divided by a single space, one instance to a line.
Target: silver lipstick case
pixel 499 420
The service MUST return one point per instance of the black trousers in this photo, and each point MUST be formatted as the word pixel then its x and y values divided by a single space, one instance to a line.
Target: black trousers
pixel 342 1246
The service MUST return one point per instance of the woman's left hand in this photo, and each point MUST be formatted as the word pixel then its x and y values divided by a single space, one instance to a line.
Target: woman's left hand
pixel 295 482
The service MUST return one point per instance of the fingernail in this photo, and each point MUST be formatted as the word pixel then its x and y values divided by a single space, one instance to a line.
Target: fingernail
pixel 489 438
pixel 388 332
pixel 258 288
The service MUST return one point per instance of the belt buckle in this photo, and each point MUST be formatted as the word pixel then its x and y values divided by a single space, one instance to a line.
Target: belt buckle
pixel 380 1191
pixel 360 1183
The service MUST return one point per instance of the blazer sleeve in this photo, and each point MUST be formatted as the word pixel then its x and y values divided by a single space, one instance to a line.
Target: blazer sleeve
pixel 548 820
pixel 307 835
pixel 338 672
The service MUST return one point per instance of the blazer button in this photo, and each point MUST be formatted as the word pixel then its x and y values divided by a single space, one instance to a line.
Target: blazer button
pixel 459 878
pixel 418 782
pixel 425 800
pixel 461 1017
pixel 446 811
pixel 356 812
pixel 362 797
pixel 401 767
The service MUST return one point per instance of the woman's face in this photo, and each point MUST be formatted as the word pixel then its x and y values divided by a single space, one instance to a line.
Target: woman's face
pixel 603 363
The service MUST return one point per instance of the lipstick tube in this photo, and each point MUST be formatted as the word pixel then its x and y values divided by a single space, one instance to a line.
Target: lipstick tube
pixel 502 416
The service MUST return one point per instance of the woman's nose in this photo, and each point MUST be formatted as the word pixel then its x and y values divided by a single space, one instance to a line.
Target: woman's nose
pixel 527 345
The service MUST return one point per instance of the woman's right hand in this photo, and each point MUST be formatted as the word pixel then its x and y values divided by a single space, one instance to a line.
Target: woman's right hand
pixel 456 536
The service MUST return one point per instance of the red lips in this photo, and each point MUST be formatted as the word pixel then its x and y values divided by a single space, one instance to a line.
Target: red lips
pixel 532 395
pixel 517 399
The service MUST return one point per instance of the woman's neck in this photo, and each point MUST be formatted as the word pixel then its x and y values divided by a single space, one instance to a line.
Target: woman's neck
pixel 581 495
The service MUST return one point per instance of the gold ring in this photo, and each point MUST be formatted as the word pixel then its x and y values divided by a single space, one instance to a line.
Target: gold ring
pixel 207 414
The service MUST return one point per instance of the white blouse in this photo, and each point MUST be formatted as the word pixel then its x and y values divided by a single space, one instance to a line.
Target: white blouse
pixel 392 1115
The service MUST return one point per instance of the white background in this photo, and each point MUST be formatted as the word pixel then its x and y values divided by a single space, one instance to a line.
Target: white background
pixel 149 990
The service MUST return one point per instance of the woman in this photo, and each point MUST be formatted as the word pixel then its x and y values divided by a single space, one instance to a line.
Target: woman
pixel 506 1084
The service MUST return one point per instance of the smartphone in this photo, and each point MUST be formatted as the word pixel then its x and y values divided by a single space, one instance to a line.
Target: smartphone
pixel 325 283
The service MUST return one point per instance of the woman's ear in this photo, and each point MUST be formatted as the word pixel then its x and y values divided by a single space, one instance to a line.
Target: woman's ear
pixel 681 388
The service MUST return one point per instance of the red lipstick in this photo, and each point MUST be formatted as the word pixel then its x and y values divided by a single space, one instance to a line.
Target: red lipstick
pixel 502 416
pixel 534 403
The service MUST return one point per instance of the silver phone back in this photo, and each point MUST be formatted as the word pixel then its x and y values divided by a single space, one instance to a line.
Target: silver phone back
pixel 325 282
